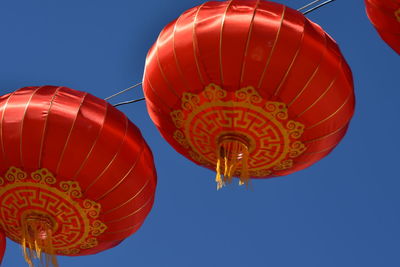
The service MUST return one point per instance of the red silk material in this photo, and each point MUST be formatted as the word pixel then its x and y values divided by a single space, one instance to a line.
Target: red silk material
pixel 236 44
pixel 2 245
pixel 83 139
pixel 385 16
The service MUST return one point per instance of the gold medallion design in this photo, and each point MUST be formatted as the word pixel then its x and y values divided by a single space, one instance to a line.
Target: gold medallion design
pixel 39 197
pixel 207 119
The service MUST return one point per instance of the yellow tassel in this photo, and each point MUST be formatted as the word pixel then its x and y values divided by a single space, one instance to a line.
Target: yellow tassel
pixel 218 178
pixel 235 155
pixel 36 241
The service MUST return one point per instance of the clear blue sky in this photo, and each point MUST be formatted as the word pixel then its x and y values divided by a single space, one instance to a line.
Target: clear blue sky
pixel 341 212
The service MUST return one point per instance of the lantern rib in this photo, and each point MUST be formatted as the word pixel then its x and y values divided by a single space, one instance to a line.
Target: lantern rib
pixel 273 48
pixel 129 200
pixel 126 175
pixel 196 45
pixel 326 135
pixel 330 116
pixel 249 35
pixel 45 125
pixel 94 143
pixel 133 213
pixel 312 75
pixel 320 151
pixel 111 162
pixel 221 71
pixel 167 82
pixel 245 53
pixel 69 134
pixel 323 94
pixel 277 90
pixel 196 51
pixel 2 123
pixel 125 229
pixel 22 125
pixel 155 93
pixel 178 66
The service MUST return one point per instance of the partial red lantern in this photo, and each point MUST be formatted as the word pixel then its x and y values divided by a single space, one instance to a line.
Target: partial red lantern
pixel 2 245
pixel 248 88
pixel 76 176
pixel 385 16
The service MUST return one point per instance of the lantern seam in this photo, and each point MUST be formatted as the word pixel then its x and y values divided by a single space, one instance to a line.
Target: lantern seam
pixel 129 200
pixel 249 35
pixel 93 145
pixel 111 161
pixel 221 72
pixel 2 122
pixel 127 173
pixel 178 66
pixel 327 135
pixel 45 125
pixel 159 97
pixel 167 82
pixel 69 134
pixel 312 75
pixel 324 93
pixel 125 229
pixel 284 78
pixel 196 45
pixel 273 48
pixel 22 125
pixel 331 115
pixel 320 151
pixel 133 213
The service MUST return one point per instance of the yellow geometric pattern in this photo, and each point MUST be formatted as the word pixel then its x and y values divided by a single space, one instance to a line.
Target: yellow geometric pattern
pixel 207 117
pixel 74 220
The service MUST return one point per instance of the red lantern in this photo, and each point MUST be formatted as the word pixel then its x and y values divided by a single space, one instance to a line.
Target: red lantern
pixel 76 175
pixel 248 88
pixel 2 245
pixel 385 16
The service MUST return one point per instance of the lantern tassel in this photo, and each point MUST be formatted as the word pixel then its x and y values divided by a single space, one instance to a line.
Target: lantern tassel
pixel 235 156
pixel 218 178
pixel 36 241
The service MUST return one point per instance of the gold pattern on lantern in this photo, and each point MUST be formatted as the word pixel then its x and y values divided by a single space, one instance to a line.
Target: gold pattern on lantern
pixel 271 138
pixel 74 223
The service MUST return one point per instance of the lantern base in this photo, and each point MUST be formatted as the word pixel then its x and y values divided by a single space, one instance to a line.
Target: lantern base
pixel 232 160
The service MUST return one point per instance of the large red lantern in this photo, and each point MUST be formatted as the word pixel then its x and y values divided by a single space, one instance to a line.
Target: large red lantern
pixel 385 16
pixel 248 88
pixel 76 175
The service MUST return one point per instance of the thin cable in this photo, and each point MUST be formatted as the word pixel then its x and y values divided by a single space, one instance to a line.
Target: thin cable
pixel 123 91
pixel 320 5
pixel 309 4
pixel 129 102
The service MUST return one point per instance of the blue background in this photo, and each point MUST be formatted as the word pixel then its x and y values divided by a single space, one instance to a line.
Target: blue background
pixel 343 211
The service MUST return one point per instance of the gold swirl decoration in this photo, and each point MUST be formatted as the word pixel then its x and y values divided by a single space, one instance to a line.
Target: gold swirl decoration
pixel 74 220
pixel 272 138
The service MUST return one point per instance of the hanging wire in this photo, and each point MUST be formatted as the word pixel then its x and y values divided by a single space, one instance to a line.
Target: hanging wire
pixel 129 102
pixel 123 91
pixel 309 4
pixel 318 6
